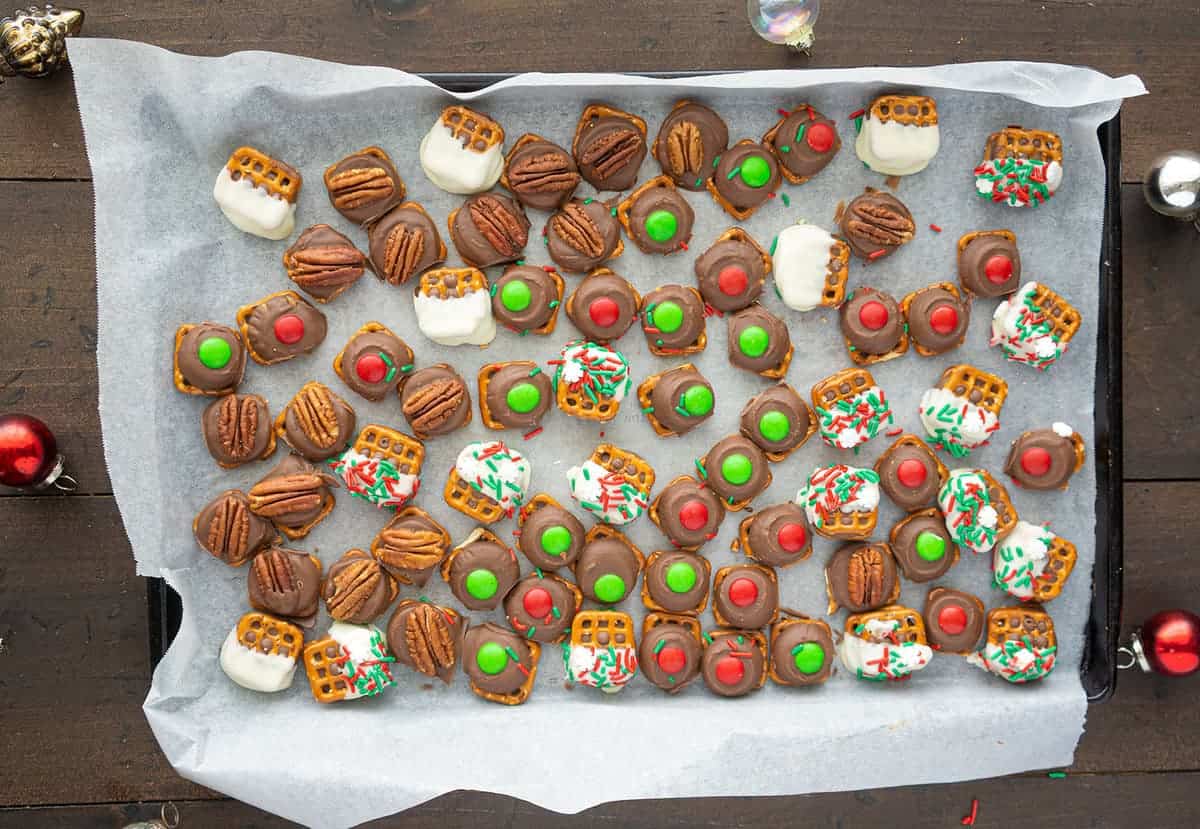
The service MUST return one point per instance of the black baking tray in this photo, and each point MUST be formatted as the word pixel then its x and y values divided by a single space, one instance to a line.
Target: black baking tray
pixel 1097 669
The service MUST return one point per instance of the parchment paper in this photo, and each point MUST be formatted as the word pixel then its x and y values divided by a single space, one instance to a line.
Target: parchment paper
pixel 158 127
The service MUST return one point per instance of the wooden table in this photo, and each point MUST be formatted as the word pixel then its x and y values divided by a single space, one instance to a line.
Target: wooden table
pixel 75 664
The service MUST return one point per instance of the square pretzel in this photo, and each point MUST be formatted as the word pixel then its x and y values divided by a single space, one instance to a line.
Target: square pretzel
pixel 992 388
pixel 269 173
pixel 1015 141
pixel 911 629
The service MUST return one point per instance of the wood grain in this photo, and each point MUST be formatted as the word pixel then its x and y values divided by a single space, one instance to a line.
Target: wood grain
pixel 76 667
pixel 42 138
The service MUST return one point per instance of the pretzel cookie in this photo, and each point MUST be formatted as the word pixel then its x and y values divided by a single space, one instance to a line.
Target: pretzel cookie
pixel 258 193
pixel 1034 325
pixel 1021 646
pixel 602 652
pixel 260 653
pixel 885 645
pixel 1020 167
pixel 961 412
pixel 454 307
pixel 899 135
pixel 463 151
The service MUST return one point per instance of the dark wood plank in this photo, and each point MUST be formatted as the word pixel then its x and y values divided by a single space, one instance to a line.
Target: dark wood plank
pixel 76 668
pixel 76 660
pixel 1096 801
pixel 48 318
pixel 1162 309
pixel 42 138
pixel 48 328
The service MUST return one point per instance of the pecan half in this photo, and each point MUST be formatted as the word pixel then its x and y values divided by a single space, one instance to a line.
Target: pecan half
pixel 286 495
pixel 357 186
pixel 430 640
pixel 317 414
pixel 229 532
pixel 503 230
pixel 685 149
pixel 879 223
pixel 864 582
pixel 350 586
pixel 609 153
pixel 577 229
pixel 544 173
pixel 404 548
pixel 402 253
pixel 237 426
pixel 325 266
pixel 433 404
pixel 273 572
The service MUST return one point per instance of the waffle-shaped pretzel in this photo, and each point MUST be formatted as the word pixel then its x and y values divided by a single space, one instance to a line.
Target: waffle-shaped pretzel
pixel 578 403
pixel 992 387
pixel 857 378
pixel 634 468
pixel 906 303
pixel 1060 561
pixel 589 624
pixel 267 635
pixel 849 525
pixel 654 620
pixel 1015 141
pixel 646 388
pixel 999 495
pixel 465 281
pixel 595 111
pixel 911 629
pixel 324 669
pixel 486 373
pixel 1064 319
pixel 272 175
pixel 427 550
pixel 887 108
pixel 474 130
pixel 521 694
pixel 1013 624
pixel 406 453
pixel 466 499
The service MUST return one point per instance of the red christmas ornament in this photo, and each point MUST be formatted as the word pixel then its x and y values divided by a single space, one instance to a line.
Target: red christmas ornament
pixel 29 456
pixel 1167 643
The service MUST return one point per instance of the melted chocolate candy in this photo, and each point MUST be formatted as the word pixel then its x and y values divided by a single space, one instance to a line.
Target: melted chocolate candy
pixel 669 653
pixel 295 513
pixel 872 565
pixel 660 219
pixel 282 326
pixel 954 620
pixel 481 571
pixel 871 322
pixel 676 581
pixel 736 469
pixel 285 583
pixel 227 545
pixel 937 319
pixel 373 363
pixel 688 514
pixel 908 473
pixel 210 359
pixel 488 652
pixel 489 229
pixel 746 176
pixel 731 272
pixel 922 546
pixel 777 419
pixel 676 144
pixel 681 399
pixel 542 607
pixel 801 652
pixel 518 395
pixel 778 535
pixel 1041 459
pixel 609 148
pixel 541 174
pixel 745 596
pixel 872 217
pixel 234 450
pixel 607 569
pixel 804 142
pixel 990 266
pixel 603 306
pixel 435 401
pixel 357 597
pixel 551 537
pixel 526 298
pixel 672 318
pixel 315 447
pixel 758 340
pixel 398 638
pixel 364 186
pixel 733 664
pixel 582 235
pixel 400 231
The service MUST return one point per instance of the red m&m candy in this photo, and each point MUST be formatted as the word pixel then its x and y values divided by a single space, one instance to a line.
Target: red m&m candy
pixel 792 537
pixel 730 671
pixel 693 515
pixel 743 592
pixel 952 619
pixel 371 368
pixel 873 315
pixel 1035 461
pixel 911 473
pixel 604 312
pixel 538 603
pixel 998 269
pixel 819 136
pixel 732 280
pixel 671 659
pixel 943 319
pixel 289 329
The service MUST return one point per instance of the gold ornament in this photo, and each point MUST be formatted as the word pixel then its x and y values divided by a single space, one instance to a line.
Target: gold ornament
pixel 33 41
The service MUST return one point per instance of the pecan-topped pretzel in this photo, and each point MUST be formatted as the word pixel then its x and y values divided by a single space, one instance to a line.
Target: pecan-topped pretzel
pixel 317 424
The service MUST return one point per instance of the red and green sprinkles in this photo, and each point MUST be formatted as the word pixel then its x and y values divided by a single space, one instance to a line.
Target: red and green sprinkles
pixel 1016 660
pixel 831 488
pixel 1034 328
pixel 593 370
pixel 377 481
pixel 970 516
pixel 1018 182
pixel 370 676
pixel 852 422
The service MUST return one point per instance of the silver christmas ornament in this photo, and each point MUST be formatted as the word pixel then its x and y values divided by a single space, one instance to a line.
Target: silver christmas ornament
pixel 33 41
pixel 1172 185
pixel 785 21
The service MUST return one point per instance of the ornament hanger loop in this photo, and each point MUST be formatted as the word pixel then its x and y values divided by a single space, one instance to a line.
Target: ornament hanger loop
pixel 169 815
pixel 1126 658
pixel 65 483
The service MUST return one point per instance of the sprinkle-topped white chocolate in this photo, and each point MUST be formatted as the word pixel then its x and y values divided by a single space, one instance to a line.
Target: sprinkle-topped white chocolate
pixel 1023 331
pixel 1020 559
pixel 606 494
pixel 874 652
pixel 970 517
pixel 496 472
pixel 800 265
pixel 954 423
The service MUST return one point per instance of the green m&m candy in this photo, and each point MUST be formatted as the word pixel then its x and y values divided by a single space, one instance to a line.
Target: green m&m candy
pixel 609 588
pixel 809 657
pixel 755 171
pixel 515 295
pixel 482 584
pixel 774 425
pixel 753 341
pixel 680 577
pixel 661 225
pixel 555 540
pixel 667 317
pixel 214 352
pixel 523 397
pixel 491 658
pixel 697 400
pixel 736 468
pixel 931 546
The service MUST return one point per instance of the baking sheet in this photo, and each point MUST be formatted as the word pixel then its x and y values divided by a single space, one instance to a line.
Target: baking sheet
pixel 159 125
